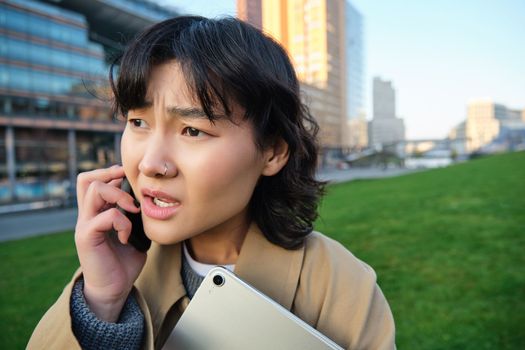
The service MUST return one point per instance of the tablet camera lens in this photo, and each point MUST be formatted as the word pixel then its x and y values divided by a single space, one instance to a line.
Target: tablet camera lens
pixel 218 280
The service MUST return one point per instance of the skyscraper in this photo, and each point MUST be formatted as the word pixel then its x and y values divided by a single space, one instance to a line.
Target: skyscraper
pixel 250 11
pixel 357 127
pixel 354 61
pixel 324 41
pixel 385 128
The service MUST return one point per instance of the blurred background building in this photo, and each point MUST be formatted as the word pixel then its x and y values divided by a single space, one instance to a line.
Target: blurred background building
pixel 55 118
pixel 250 11
pixel 324 39
pixel 458 137
pixel 357 126
pixel 385 128
pixel 489 127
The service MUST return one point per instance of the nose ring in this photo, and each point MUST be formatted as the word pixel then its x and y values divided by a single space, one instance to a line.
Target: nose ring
pixel 165 169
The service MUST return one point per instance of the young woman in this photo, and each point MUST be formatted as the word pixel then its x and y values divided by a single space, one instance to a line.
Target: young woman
pixel 221 156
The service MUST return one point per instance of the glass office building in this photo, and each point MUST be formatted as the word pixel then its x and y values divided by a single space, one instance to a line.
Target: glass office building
pixel 55 116
pixel 354 61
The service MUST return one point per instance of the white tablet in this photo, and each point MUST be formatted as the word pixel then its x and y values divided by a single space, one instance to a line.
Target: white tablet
pixel 227 313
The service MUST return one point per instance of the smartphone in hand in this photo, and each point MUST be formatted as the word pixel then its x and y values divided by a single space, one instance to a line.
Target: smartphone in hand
pixel 138 238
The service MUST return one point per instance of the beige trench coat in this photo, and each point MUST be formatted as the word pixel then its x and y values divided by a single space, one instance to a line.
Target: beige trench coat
pixel 322 283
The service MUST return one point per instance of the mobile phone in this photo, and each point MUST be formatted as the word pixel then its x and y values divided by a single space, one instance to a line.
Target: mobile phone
pixel 137 238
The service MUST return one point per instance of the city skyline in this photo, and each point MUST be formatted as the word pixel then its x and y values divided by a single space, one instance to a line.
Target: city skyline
pixel 438 55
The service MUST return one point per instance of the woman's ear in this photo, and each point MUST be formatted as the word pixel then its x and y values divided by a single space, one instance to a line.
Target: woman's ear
pixel 275 157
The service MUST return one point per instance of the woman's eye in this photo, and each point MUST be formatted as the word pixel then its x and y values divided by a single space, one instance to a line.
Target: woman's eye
pixel 137 123
pixel 189 131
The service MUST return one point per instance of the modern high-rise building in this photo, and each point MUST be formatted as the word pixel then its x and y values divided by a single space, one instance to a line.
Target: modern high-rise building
pixel 354 61
pixel 250 11
pixel 324 41
pixel 55 118
pixel 357 129
pixel 385 128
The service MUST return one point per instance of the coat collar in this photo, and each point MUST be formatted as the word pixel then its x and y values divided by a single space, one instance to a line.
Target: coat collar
pixel 269 268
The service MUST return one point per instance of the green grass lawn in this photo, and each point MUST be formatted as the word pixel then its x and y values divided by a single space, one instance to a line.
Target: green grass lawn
pixel 447 245
pixel 33 273
pixel 449 249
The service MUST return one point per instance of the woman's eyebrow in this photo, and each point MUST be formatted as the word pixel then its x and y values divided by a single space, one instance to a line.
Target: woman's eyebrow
pixel 183 112
pixel 190 112
pixel 186 112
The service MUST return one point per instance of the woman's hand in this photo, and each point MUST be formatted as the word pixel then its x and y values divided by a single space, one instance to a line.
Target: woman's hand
pixel 109 265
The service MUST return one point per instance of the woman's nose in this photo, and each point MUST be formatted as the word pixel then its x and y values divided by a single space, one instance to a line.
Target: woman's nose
pixel 153 169
pixel 155 164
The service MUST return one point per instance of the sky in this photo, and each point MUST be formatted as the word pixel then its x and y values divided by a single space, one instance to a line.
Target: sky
pixel 439 55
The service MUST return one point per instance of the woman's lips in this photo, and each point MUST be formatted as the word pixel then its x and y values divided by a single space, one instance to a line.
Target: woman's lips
pixel 154 211
pixel 159 194
pixel 158 205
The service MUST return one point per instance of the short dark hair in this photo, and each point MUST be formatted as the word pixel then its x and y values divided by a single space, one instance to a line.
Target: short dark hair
pixel 227 60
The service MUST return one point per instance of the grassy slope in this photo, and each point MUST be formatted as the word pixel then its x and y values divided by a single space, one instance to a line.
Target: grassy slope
pixel 33 273
pixel 448 249
pixel 447 246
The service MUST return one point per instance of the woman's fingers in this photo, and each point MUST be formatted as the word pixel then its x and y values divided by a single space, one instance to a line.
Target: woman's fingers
pixel 95 230
pixel 109 266
pixel 85 179
pixel 116 182
pixel 100 194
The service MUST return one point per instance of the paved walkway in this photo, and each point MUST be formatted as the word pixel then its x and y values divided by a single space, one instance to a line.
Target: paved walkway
pixel 336 175
pixel 27 224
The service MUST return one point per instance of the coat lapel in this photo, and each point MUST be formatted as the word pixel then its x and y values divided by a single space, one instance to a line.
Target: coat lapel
pixel 160 281
pixel 271 269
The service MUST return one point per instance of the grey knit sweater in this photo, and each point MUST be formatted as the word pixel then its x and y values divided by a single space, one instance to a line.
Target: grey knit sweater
pixel 128 332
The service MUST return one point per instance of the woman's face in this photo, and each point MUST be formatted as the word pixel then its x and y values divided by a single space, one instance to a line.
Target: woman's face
pixel 212 168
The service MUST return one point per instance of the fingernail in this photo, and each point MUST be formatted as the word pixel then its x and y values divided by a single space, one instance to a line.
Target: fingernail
pixel 115 166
